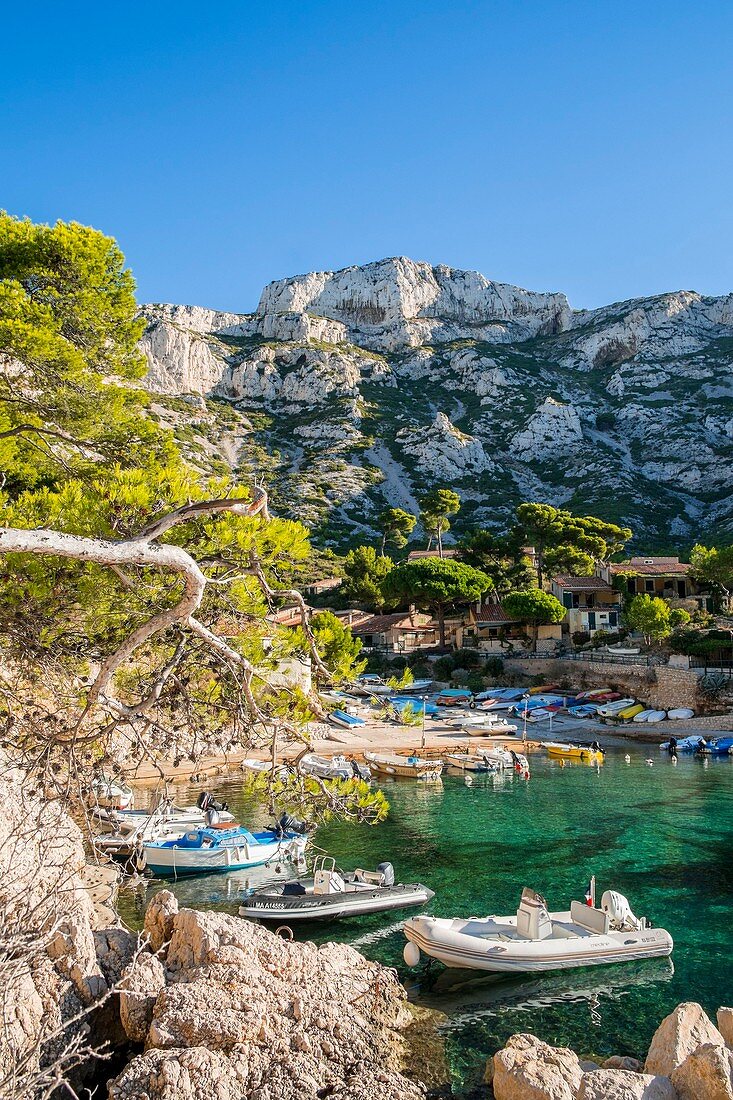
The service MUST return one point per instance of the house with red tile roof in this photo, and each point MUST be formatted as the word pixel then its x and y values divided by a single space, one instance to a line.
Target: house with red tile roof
pixel 489 628
pixel 401 632
pixel 592 603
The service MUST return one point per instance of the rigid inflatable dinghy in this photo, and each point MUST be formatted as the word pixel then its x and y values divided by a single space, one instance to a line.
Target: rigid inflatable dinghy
pixel 331 895
pixel 535 939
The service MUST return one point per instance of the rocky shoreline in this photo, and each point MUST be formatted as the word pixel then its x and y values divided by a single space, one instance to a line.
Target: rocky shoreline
pixel 204 1004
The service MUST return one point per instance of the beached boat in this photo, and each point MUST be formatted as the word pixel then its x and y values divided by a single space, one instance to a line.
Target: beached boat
pixel 400 702
pixel 610 710
pixel 468 762
pixel 411 767
pixel 454 697
pixel 589 710
pixel 333 895
pixel 587 752
pixel 263 767
pixel 499 728
pixel 111 794
pixel 628 713
pixel 233 848
pixel 336 768
pixel 536 939
pixel 416 685
pixel 345 720
pixel 681 712
pixel 370 684
pixel 656 716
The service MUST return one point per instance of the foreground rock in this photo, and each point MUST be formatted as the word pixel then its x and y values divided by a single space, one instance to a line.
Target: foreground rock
pixel 235 1011
pixel 679 1034
pixel 528 1069
pixel 688 1059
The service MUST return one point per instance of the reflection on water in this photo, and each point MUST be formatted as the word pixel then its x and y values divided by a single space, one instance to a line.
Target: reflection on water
pixel 662 835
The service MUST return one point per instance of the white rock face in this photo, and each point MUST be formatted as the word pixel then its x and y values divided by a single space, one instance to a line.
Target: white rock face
pixel 360 362
pixel 398 302
pixel 443 451
pixel 552 432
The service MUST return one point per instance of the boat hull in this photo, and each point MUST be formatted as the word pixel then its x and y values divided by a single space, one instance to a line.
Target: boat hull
pixel 573 752
pixel 334 906
pixel 461 951
pixel 203 861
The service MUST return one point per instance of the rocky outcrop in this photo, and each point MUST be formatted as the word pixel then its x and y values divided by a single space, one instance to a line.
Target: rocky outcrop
pixel 679 1034
pixel 688 1059
pixel 528 1069
pixel 233 1006
pixel 49 969
pixel 544 402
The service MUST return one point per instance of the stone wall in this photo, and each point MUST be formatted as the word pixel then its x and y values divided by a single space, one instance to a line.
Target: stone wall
pixel 657 685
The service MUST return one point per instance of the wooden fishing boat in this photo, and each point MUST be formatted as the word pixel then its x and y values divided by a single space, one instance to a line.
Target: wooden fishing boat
pixel 410 767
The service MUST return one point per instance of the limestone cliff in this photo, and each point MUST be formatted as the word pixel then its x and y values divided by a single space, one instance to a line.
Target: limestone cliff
pixel 347 389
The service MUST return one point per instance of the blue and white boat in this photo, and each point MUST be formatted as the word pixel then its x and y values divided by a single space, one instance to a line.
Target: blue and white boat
pixel 346 720
pixel 400 702
pixel 685 744
pixel 717 746
pixel 416 685
pixel 212 849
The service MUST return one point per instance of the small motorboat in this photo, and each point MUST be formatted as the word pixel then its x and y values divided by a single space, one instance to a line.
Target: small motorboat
pixel 587 752
pixel 263 767
pixel 498 756
pixel 336 768
pixel 681 712
pixel 345 720
pixel 716 746
pixel 416 685
pixel 467 762
pixel 535 939
pixel 685 744
pixel 333 895
pixel 165 812
pixel 587 710
pixel 224 848
pixel 370 684
pixel 110 794
pixel 500 728
pixel 411 767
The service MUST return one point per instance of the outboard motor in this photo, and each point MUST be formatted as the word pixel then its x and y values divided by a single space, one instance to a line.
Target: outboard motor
pixel 207 802
pixel 621 918
pixel 288 824
pixel 386 870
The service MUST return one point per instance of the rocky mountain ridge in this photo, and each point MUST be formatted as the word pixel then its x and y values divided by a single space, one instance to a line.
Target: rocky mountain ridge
pixel 351 389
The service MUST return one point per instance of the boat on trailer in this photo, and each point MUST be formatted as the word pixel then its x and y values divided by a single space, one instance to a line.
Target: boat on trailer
pixel 411 767
pixel 535 939
pixel 332 895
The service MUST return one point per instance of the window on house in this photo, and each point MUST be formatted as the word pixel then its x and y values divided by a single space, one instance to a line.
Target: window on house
pixel 567 599
pixel 613 618
pixel 368 639
pixel 590 600
pixel 591 620
pixel 682 589
pixel 649 585
pixel 631 582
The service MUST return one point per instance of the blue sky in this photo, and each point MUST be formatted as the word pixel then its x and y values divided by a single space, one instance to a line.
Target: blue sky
pixel 584 147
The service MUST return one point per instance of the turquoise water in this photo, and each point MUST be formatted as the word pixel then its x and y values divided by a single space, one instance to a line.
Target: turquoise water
pixel 662 835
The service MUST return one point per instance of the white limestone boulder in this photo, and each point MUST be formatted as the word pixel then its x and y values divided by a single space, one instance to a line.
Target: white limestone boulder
pixel 528 1069
pixel 685 1029
pixel 620 1084
pixel 705 1074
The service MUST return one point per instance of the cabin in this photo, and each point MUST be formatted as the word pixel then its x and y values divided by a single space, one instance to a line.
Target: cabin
pixel 401 632
pixel 591 604
pixel 667 577
pixel 488 627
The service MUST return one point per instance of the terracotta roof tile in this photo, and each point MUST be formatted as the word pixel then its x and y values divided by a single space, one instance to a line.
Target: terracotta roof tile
pixel 581 583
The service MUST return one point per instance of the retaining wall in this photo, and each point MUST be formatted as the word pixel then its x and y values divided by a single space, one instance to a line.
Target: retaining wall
pixel 656 685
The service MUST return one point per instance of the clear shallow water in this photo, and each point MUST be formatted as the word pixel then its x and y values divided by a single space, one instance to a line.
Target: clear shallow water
pixel 662 835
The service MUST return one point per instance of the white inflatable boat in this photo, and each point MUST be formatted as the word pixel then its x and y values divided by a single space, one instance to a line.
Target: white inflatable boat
pixel 535 939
